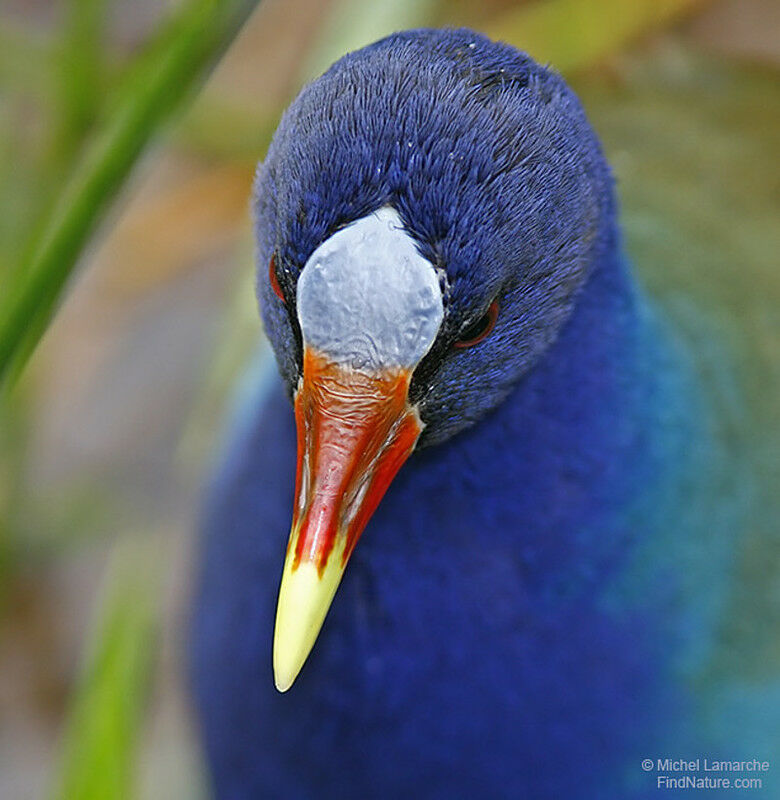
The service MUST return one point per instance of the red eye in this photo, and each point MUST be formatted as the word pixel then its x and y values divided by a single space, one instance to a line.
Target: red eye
pixel 479 330
pixel 274 280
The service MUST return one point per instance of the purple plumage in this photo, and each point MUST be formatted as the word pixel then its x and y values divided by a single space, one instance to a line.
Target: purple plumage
pixel 511 624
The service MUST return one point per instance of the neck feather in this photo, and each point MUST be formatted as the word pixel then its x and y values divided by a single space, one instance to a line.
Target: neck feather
pixel 584 434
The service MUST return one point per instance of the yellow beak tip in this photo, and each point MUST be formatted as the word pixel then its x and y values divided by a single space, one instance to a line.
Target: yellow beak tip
pixel 283 681
pixel 304 599
pixel 290 653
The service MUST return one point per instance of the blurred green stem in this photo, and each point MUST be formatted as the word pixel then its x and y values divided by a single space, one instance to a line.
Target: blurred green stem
pixel 192 39
pixel 107 709
pixel 77 80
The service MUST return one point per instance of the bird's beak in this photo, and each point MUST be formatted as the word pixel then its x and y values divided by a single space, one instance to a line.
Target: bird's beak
pixel 355 430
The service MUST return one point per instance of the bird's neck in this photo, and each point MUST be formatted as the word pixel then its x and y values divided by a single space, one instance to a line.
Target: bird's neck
pixel 592 425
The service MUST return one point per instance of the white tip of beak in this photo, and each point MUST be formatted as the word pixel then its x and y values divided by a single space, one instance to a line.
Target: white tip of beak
pixel 304 599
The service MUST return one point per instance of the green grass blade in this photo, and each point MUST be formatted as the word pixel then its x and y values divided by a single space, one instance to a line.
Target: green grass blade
pixel 102 730
pixel 202 29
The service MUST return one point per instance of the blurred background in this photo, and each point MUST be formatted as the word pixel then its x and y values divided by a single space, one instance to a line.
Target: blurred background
pixel 129 132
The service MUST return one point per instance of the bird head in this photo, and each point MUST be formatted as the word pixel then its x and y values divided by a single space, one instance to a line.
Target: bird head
pixel 427 212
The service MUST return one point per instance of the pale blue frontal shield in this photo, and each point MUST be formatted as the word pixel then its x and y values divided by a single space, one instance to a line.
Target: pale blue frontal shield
pixel 367 298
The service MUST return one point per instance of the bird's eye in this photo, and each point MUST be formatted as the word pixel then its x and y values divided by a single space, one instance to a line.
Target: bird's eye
pixel 478 330
pixel 274 280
